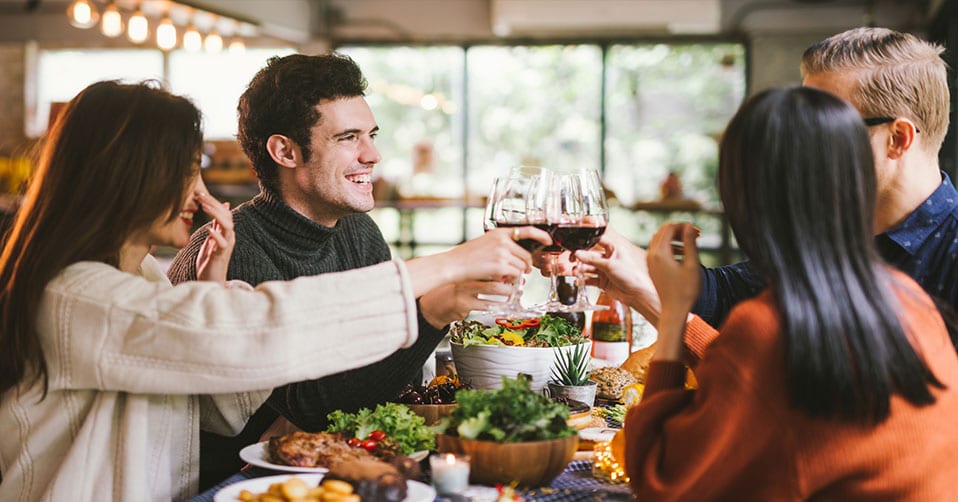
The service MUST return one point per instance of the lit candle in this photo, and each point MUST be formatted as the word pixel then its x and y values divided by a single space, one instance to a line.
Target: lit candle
pixel 450 472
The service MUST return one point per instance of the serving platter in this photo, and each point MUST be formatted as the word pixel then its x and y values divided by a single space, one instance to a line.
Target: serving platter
pixel 257 454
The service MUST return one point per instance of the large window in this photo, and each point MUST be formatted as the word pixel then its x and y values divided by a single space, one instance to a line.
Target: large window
pixel 666 107
pixel 535 105
pixel 213 81
pixel 61 74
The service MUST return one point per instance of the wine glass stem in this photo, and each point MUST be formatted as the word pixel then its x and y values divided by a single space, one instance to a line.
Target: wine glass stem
pixel 582 297
pixel 553 278
pixel 516 294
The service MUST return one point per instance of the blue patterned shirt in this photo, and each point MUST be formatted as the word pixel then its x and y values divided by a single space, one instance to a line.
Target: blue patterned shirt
pixel 924 246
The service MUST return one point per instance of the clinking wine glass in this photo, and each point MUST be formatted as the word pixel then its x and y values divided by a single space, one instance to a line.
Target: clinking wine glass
pixel 580 217
pixel 553 195
pixel 512 203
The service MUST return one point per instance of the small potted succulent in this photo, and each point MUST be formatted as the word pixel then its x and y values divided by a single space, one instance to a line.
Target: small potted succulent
pixel 570 375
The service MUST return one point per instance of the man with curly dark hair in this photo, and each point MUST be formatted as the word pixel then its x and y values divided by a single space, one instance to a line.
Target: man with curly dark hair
pixel 305 125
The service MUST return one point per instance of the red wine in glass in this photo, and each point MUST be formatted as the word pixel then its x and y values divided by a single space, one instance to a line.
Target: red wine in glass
pixel 530 245
pixel 550 228
pixel 574 237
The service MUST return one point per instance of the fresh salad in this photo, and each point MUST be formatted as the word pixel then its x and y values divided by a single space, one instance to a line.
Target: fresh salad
pixel 545 331
pixel 512 414
pixel 391 420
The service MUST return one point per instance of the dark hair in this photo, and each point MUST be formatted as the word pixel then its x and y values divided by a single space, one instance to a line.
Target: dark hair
pixel 282 99
pixel 119 158
pixel 797 179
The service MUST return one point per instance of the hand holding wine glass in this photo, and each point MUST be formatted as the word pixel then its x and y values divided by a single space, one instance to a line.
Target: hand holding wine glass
pixel 514 202
pixel 580 217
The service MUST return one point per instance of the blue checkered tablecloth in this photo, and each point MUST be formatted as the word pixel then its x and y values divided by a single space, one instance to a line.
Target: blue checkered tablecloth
pixel 575 484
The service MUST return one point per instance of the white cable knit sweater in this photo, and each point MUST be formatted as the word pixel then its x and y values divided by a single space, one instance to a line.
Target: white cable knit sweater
pixel 137 366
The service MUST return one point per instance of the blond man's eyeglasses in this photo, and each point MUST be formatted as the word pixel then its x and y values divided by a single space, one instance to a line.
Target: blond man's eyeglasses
pixel 874 121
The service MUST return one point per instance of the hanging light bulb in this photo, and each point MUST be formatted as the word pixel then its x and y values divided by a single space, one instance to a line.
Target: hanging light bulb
pixel 166 34
pixel 237 46
pixel 192 40
pixel 112 25
pixel 138 28
pixel 214 42
pixel 83 14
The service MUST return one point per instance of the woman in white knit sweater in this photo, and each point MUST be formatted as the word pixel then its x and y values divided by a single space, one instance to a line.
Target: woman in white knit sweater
pixel 107 372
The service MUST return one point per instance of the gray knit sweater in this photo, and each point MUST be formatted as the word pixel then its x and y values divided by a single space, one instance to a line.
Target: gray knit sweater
pixel 274 242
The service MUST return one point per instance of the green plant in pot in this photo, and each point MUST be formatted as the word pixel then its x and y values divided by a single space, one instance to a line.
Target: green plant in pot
pixel 570 375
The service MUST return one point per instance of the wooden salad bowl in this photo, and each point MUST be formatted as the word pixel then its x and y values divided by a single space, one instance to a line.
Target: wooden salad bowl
pixel 432 413
pixel 530 464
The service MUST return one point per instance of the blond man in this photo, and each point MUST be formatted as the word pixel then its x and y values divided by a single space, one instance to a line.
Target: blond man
pixel 899 83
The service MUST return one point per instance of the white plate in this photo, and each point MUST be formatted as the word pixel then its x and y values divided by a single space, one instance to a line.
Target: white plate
pixel 415 491
pixel 598 434
pixel 255 454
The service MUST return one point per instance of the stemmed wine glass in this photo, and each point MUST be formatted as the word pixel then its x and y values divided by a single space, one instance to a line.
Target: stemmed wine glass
pixel 580 217
pixel 553 192
pixel 514 202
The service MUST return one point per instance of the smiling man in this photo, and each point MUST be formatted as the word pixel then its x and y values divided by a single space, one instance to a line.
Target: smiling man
pixel 305 125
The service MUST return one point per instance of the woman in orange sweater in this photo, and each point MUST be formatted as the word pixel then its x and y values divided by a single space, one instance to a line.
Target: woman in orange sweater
pixel 839 381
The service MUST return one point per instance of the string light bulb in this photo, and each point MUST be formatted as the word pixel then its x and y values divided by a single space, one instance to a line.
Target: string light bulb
pixel 166 34
pixel 237 46
pixel 137 28
pixel 112 23
pixel 192 40
pixel 213 42
pixel 83 14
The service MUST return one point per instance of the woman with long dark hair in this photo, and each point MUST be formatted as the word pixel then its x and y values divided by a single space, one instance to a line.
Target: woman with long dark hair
pixel 107 371
pixel 836 382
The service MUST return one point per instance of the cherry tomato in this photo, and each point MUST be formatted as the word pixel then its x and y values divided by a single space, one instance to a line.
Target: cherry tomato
pixel 377 435
pixel 369 445
pixel 354 442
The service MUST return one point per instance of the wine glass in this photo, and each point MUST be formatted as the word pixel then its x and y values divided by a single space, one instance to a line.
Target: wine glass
pixel 513 202
pixel 551 201
pixel 580 219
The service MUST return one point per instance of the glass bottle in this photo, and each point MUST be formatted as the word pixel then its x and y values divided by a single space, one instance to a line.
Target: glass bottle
pixel 611 330
pixel 567 293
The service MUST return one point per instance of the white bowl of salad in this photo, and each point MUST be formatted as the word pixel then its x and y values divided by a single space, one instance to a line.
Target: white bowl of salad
pixel 483 353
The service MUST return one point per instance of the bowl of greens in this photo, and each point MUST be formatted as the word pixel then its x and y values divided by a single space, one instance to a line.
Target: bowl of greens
pixel 513 435
pixel 484 354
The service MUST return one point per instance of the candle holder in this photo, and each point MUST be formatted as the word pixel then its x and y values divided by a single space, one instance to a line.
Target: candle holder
pixel 450 472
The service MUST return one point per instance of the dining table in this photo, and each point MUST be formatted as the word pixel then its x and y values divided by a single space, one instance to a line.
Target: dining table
pixel 575 483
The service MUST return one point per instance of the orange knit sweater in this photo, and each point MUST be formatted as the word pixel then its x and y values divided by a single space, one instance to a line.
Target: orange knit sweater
pixel 737 438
